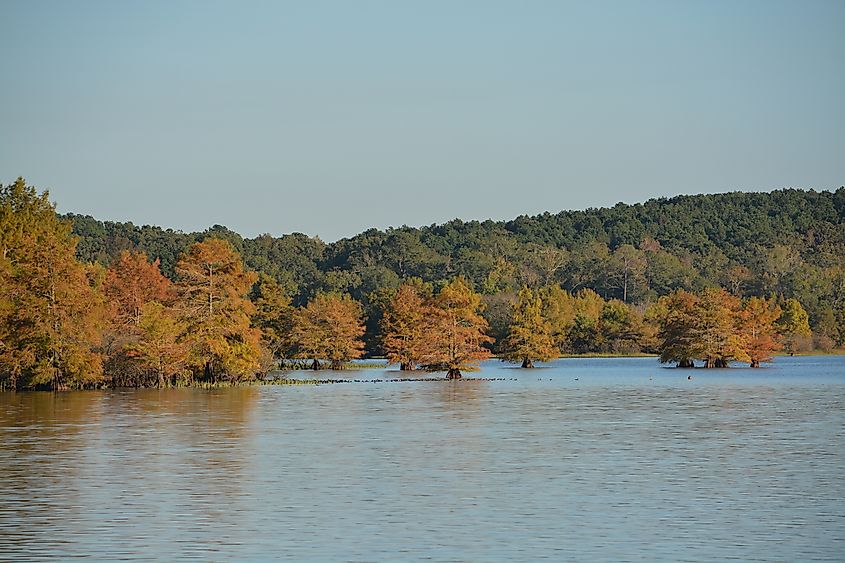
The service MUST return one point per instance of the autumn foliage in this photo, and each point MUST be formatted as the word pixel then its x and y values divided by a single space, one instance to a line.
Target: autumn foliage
pixel 329 328
pixel 213 305
pixel 717 328
pixel 407 325
pixel 132 282
pixel 52 311
pixel 162 345
pixel 457 331
pixel 530 337
pixel 65 324
pixel 759 331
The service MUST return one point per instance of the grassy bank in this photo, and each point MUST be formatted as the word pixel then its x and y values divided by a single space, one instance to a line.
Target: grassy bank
pixel 833 352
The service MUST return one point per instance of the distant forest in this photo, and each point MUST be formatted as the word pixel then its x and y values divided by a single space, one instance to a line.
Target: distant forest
pixel 787 244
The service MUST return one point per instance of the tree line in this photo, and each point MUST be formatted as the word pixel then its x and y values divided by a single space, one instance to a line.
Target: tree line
pixel 786 244
pixel 211 315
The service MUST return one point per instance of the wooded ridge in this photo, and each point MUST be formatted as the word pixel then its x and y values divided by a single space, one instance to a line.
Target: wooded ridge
pixel 717 278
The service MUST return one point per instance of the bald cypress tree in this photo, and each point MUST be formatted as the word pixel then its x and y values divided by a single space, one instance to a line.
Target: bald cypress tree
pixel 406 325
pixel 758 327
pixel 530 334
pixel 273 314
pixel 52 313
pixel 675 315
pixel 794 324
pixel 329 328
pixel 214 308
pixel 717 329
pixel 458 331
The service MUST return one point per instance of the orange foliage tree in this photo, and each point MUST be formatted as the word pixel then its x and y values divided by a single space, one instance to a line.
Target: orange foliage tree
pixel 329 328
pixel 458 335
pixel 53 313
pixel 716 330
pixel 715 327
pixel 406 325
pixel 130 284
pixel 133 281
pixel 758 326
pixel 212 303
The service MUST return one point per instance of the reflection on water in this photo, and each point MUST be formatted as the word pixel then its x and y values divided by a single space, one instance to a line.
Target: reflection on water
pixel 584 460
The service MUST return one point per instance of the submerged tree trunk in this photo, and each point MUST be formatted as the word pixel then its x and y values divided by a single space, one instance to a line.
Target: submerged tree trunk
pixel 686 364
pixel 454 373
pixel 527 363
pixel 57 380
pixel 755 363
pixel 315 365
pixel 407 366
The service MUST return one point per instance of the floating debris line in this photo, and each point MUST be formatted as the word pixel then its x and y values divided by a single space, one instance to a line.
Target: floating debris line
pixel 390 380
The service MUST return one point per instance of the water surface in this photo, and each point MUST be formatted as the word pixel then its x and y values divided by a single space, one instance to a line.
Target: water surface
pixel 599 460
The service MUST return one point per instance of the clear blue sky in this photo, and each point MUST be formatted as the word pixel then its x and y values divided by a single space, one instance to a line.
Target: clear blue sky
pixel 331 117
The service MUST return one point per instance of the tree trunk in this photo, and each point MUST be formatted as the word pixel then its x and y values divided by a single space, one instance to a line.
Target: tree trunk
pixel 625 287
pixel 454 373
pixel 315 365
pixel 686 364
pixel 527 363
pixel 755 363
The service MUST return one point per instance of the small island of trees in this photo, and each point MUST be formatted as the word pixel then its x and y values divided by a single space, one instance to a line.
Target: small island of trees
pixel 67 323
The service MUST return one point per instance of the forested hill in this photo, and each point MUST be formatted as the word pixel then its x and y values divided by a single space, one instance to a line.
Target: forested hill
pixel 787 243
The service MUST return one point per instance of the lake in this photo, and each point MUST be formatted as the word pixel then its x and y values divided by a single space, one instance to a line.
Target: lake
pixel 581 460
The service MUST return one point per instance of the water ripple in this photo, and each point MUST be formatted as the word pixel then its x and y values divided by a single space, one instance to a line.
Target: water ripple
pixel 599 460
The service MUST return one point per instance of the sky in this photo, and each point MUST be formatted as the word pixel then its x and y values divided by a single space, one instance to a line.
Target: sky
pixel 329 118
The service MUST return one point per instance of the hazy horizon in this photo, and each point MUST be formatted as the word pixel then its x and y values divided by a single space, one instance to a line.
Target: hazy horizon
pixel 329 118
